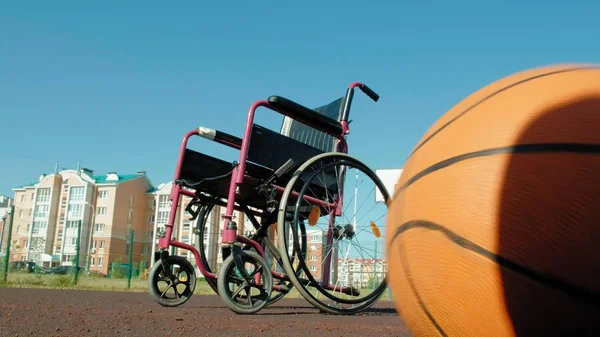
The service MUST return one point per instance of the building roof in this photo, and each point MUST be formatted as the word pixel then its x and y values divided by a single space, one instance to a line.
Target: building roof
pixel 26 185
pixel 99 179
pixel 121 178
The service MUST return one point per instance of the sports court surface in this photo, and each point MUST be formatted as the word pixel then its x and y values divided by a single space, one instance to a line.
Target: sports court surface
pixel 51 312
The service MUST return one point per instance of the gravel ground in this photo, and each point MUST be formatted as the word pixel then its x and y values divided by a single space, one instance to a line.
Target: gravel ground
pixel 50 312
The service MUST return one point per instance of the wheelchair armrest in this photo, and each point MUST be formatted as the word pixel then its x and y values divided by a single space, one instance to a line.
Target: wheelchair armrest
pixel 306 115
pixel 220 137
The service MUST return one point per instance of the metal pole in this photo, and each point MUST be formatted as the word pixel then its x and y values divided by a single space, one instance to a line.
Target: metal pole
pixel 77 250
pixel 129 275
pixel 375 266
pixel 89 257
pixel 8 238
pixel 3 230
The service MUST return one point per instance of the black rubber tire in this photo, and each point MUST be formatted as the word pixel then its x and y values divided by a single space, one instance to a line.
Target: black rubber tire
pixel 222 283
pixel 378 292
pixel 158 268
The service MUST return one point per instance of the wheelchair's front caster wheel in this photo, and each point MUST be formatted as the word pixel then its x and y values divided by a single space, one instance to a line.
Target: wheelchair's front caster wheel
pixel 245 285
pixel 172 281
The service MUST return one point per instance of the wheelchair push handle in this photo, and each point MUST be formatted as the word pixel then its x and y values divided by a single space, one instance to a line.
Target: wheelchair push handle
pixel 365 89
pixel 369 92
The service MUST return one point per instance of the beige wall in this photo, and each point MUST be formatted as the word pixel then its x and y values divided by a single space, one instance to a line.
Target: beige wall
pixel 23 217
pixel 116 223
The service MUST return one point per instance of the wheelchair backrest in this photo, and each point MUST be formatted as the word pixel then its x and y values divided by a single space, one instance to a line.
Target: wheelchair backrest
pixel 310 136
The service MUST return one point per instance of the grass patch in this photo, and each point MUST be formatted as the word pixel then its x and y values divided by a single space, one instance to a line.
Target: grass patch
pixel 99 283
pixel 24 280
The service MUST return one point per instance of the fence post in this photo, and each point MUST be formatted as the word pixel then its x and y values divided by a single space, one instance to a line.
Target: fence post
pixel 375 276
pixel 3 230
pixel 77 251
pixel 8 239
pixel 130 272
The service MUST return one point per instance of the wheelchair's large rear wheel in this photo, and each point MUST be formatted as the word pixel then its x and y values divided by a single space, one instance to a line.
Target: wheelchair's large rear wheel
pixel 344 271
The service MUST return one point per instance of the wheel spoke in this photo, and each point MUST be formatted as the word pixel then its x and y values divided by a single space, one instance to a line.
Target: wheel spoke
pixel 166 289
pixel 249 296
pixel 238 291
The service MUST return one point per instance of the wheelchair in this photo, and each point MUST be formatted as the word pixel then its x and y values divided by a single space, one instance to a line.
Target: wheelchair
pixel 292 187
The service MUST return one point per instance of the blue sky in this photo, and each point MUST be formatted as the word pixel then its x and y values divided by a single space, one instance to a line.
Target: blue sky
pixel 116 85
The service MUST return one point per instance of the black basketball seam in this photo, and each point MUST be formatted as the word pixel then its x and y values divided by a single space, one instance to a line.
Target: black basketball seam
pixel 413 288
pixel 464 112
pixel 577 293
pixel 581 148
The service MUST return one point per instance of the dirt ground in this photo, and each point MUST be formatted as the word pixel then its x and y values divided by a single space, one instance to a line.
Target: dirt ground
pixel 50 312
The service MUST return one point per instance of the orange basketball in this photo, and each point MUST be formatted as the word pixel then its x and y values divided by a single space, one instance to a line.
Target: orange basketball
pixel 494 226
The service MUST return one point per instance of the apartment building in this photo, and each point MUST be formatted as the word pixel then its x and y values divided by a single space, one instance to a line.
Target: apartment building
pixel 362 272
pixel 48 213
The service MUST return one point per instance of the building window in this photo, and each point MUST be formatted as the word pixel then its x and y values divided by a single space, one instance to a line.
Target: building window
pixel 20 213
pixel 43 195
pixel 38 226
pixel 163 217
pixel 163 201
pixel 103 194
pixel 23 198
pixel 92 261
pixel 72 224
pixel 101 210
pixel 313 258
pixel 100 261
pixel 313 268
pixel 101 244
pixel 41 211
pixel 99 227
pixel 77 193
pixel 75 211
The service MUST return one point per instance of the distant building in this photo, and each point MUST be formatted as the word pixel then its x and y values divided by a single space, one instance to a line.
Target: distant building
pixel 48 211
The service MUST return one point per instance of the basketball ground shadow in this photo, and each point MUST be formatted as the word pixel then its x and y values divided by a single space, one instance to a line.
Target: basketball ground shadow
pixel 549 236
